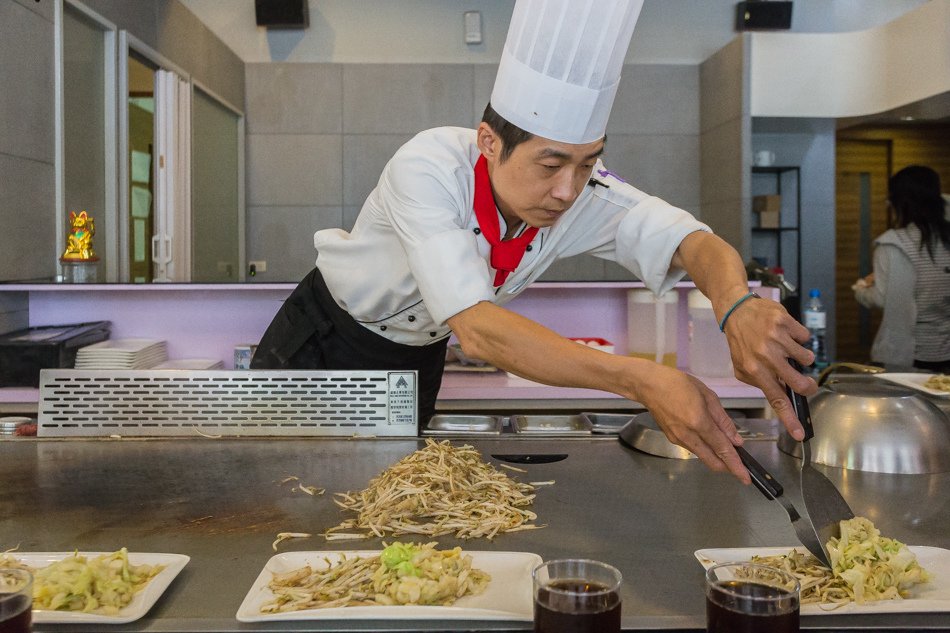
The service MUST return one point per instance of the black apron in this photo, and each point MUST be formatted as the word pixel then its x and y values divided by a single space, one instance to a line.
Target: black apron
pixel 310 331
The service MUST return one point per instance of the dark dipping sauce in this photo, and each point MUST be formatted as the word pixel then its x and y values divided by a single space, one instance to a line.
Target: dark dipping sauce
pixel 745 613
pixel 590 608
pixel 20 623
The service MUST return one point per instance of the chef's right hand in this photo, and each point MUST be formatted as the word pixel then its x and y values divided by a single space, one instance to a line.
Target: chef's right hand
pixel 690 415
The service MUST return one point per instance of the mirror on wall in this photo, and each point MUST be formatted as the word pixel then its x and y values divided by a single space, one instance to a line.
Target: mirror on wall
pixel 217 190
pixel 181 190
pixel 89 124
pixel 87 167
pixel 117 180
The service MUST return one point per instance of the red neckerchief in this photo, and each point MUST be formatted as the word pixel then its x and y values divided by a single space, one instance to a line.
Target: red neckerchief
pixel 507 254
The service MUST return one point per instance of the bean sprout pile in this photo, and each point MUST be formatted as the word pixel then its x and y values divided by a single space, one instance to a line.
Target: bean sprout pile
pixel 439 489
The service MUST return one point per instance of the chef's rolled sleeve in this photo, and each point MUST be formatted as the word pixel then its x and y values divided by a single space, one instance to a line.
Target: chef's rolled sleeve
pixel 451 275
pixel 647 239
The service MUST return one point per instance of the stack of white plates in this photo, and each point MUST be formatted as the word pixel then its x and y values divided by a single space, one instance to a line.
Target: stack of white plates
pixel 9 425
pixel 190 363
pixel 129 353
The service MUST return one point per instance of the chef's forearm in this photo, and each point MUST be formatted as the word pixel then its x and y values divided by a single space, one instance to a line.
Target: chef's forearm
pixel 715 267
pixel 514 343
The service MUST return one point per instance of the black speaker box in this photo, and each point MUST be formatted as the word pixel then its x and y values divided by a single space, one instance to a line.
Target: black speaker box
pixel 282 14
pixel 764 15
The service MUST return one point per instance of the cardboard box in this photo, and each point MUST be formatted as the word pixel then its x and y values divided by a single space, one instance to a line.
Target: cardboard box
pixel 769 219
pixel 767 204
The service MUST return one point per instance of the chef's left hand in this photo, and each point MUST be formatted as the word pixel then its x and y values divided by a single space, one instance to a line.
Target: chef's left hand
pixel 762 337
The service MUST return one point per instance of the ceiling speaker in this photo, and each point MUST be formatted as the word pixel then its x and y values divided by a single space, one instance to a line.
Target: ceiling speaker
pixel 282 14
pixel 763 15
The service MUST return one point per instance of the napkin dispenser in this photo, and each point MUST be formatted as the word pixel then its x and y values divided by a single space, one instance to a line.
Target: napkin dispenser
pixel 24 353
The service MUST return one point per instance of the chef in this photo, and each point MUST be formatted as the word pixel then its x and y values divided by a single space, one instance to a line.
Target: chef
pixel 462 221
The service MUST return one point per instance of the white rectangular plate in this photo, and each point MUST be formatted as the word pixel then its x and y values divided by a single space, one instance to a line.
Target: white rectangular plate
pixel 126 345
pixel 190 363
pixel 914 381
pixel 507 597
pixel 141 602
pixel 929 597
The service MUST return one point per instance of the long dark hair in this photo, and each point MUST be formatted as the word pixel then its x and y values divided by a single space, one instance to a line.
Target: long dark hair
pixel 914 193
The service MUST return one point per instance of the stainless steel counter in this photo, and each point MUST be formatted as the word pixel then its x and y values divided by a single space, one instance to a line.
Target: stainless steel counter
pixel 222 503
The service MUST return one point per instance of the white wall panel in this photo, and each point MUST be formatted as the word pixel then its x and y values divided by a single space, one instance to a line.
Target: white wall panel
pixel 840 75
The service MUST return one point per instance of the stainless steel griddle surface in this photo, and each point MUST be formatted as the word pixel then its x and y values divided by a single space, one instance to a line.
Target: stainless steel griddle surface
pixel 221 501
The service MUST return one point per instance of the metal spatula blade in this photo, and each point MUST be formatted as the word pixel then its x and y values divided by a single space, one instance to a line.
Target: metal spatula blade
pixel 825 506
pixel 772 489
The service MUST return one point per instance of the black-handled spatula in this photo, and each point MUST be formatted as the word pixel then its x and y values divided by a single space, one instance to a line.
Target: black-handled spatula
pixel 823 503
pixel 772 489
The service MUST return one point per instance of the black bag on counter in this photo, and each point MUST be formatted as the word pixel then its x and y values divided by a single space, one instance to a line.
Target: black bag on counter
pixel 24 353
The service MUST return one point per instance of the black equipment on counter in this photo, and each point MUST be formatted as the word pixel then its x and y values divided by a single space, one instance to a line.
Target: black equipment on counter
pixel 24 353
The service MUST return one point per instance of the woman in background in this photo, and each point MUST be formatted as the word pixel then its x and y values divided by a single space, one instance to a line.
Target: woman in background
pixel 911 278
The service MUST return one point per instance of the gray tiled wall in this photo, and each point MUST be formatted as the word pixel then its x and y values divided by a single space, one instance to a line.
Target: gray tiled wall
pixel 726 142
pixel 319 135
pixel 26 146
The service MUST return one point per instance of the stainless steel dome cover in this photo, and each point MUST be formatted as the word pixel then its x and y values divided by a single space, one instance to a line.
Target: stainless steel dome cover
pixel 875 427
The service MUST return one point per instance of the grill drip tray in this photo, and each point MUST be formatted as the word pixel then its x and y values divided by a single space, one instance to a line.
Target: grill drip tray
pixel 547 425
pixel 582 425
pixel 465 424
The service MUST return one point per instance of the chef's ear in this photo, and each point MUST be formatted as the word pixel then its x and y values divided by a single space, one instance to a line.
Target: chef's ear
pixel 489 143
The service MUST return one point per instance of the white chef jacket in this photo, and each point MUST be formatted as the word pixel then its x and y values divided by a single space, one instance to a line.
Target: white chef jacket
pixel 415 258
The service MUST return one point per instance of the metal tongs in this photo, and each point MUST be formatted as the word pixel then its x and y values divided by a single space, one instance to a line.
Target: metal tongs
pixel 824 505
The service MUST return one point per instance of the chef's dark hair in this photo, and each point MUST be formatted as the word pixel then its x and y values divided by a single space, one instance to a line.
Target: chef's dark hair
pixel 914 193
pixel 510 134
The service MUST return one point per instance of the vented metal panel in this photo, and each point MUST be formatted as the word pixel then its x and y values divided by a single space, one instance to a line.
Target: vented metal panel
pixel 149 402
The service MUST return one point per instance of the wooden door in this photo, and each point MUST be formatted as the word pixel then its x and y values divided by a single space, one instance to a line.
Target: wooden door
pixel 863 167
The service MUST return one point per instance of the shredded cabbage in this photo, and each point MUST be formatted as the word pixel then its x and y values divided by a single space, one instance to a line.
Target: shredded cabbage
pixel 398 557
pixel 102 585
pixel 866 567
pixel 939 382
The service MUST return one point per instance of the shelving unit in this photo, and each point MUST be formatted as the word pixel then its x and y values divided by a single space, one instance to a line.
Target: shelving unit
pixel 784 181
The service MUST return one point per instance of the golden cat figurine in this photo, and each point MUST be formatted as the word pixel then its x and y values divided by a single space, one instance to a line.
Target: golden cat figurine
pixel 79 240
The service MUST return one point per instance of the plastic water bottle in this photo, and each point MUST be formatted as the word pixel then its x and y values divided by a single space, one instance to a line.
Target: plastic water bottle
pixel 815 319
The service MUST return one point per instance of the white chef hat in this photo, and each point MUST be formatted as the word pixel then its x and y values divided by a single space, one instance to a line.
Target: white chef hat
pixel 560 67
